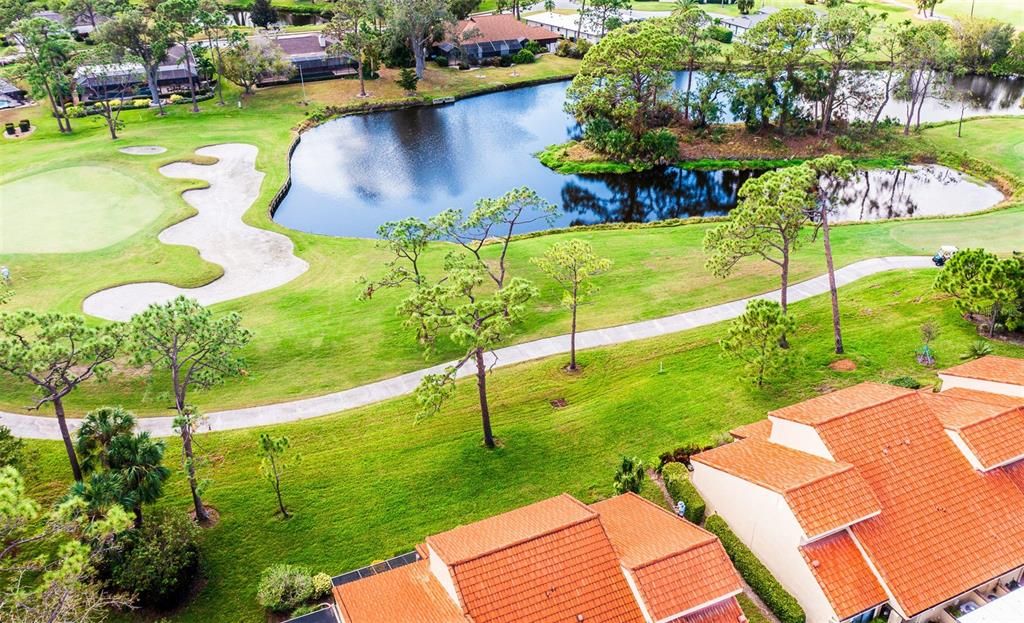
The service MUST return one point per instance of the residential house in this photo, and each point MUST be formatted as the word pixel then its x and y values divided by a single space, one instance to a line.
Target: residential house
pixel 491 36
pixel 80 26
pixel 568 25
pixel 11 96
pixel 127 80
pixel 740 24
pixel 311 56
pixel 621 560
pixel 880 501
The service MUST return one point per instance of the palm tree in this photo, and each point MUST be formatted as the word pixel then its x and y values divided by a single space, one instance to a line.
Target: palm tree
pixel 98 431
pixel 100 491
pixel 137 459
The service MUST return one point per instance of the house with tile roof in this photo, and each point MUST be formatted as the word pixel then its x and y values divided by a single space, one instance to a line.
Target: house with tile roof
pixel 621 560
pixel 878 501
pixel 480 37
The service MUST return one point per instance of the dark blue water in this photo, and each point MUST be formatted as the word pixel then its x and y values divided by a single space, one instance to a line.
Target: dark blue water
pixel 352 174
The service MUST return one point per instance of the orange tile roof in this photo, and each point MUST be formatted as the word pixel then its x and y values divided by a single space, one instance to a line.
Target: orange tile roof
pixel 944 528
pixel 843 574
pixel 986 397
pixel 503 27
pixel 1007 370
pixel 996 440
pixel 761 429
pixel 824 495
pixel 677 565
pixel 725 611
pixel 501 531
pixel 955 412
pixel 839 403
pixel 409 594
pixel 1015 472
pixel 553 578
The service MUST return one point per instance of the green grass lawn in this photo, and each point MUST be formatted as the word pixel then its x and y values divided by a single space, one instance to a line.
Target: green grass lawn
pixel 999 141
pixel 76 219
pixel 312 335
pixel 372 482
pixel 1011 11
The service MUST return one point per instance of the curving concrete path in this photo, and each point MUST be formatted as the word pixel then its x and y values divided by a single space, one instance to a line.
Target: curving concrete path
pixel 253 259
pixel 39 427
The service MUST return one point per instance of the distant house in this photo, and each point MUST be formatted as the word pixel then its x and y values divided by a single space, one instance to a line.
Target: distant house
pixel 80 27
pixel 568 26
pixel 621 560
pixel 129 79
pixel 11 96
pixel 311 55
pixel 742 23
pixel 492 36
pixel 876 501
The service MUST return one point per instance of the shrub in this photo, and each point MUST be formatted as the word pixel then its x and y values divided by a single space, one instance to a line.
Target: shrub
pixel 659 146
pixel 977 349
pixel 12 449
pixel 158 562
pixel 304 610
pixel 523 57
pixel 322 584
pixel 505 61
pixel 756 574
pixel 533 47
pixel 141 103
pixel 681 454
pixel 283 587
pixel 571 49
pixel 441 61
pixel 677 481
pixel 906 381
pixel 720 33
pixel 176 99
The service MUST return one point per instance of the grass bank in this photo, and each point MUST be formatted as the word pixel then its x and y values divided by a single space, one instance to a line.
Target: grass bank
pixel 372 482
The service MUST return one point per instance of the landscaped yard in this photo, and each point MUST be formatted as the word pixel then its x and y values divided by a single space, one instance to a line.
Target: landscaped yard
pixel 1011 11
pixel 372 482
pixel 999 141
pixel 312 335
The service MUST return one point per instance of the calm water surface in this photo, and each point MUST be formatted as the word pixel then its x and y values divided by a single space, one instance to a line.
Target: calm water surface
pixel 352 174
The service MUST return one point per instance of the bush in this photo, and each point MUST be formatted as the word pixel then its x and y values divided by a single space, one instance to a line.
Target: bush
pixel 322 584
pixel 756 574
pixel 505 61
pixel 681 454
pixel 12 450
pixel 159 562
pixel 533 47
pixel 284 587
pixel 304 610
pixel 441 61
pixel 176 99
pixel 720 33
pixel 659 146
pixel 677 481
pixel 570 49
pixel 906 381
pixel 523 57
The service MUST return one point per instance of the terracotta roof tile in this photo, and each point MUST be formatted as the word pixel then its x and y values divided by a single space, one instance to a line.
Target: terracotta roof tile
pixel 761 429
pixel 824 495
pixel 1015 472
pixel 839 403
pixel 986 397
pixel 409 594
pixel 944 528
pixel 843 574
pixel 549 579
pixel 955 412
pixel 725 611
pixel 494 533
pixel 996 440
pixel 677 565
pixel 503 27
pixel 991 368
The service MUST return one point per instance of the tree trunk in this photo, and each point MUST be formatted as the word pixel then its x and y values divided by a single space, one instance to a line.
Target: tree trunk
pixel 418 54
pixel 579 19
pixel 826 238
pixel 784 295
pixel 138 516
pixel 992 320
pixel 277 488
pixel 58 409
pixel 885 101
pixel 111 123
pixel 188 71
pixel 826 113
pixel 362 81
pixel 186 444
pixel 689 81
pixel 481 385
pixel 154 88
pixel 572 334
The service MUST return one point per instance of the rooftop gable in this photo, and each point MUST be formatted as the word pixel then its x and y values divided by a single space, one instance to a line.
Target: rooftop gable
pixel 843 574
pixel 986 397
pixel 944 527
pixel 840 403
pixel 677 565
pixel 993 368
pixel 501 27
pixel 409 593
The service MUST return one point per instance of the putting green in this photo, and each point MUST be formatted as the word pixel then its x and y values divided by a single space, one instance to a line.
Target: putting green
pixel 72 210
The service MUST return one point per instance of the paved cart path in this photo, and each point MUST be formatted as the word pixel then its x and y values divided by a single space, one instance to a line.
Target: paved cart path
pixel 41 427
pixel 253 259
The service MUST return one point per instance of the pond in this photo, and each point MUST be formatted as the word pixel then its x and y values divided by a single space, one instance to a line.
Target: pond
pixel 352 174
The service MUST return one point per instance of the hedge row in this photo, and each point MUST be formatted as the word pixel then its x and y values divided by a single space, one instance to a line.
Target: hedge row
pixel 756 574
pixel 677 481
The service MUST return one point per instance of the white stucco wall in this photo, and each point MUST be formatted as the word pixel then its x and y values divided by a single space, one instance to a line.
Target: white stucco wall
pixel 443 574
pixel 763 520
pixel 799 437
pixel 949 382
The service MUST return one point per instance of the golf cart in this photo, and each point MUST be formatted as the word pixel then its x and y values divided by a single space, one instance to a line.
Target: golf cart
pixel 943 254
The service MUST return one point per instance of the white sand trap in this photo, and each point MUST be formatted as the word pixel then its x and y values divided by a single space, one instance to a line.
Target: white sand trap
pixel 143 150
pixel 254 260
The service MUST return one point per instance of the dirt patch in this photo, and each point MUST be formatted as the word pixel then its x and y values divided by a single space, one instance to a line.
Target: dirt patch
pixel 843 365
pixel 734 142
pixel 213 513
pixel 559 403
